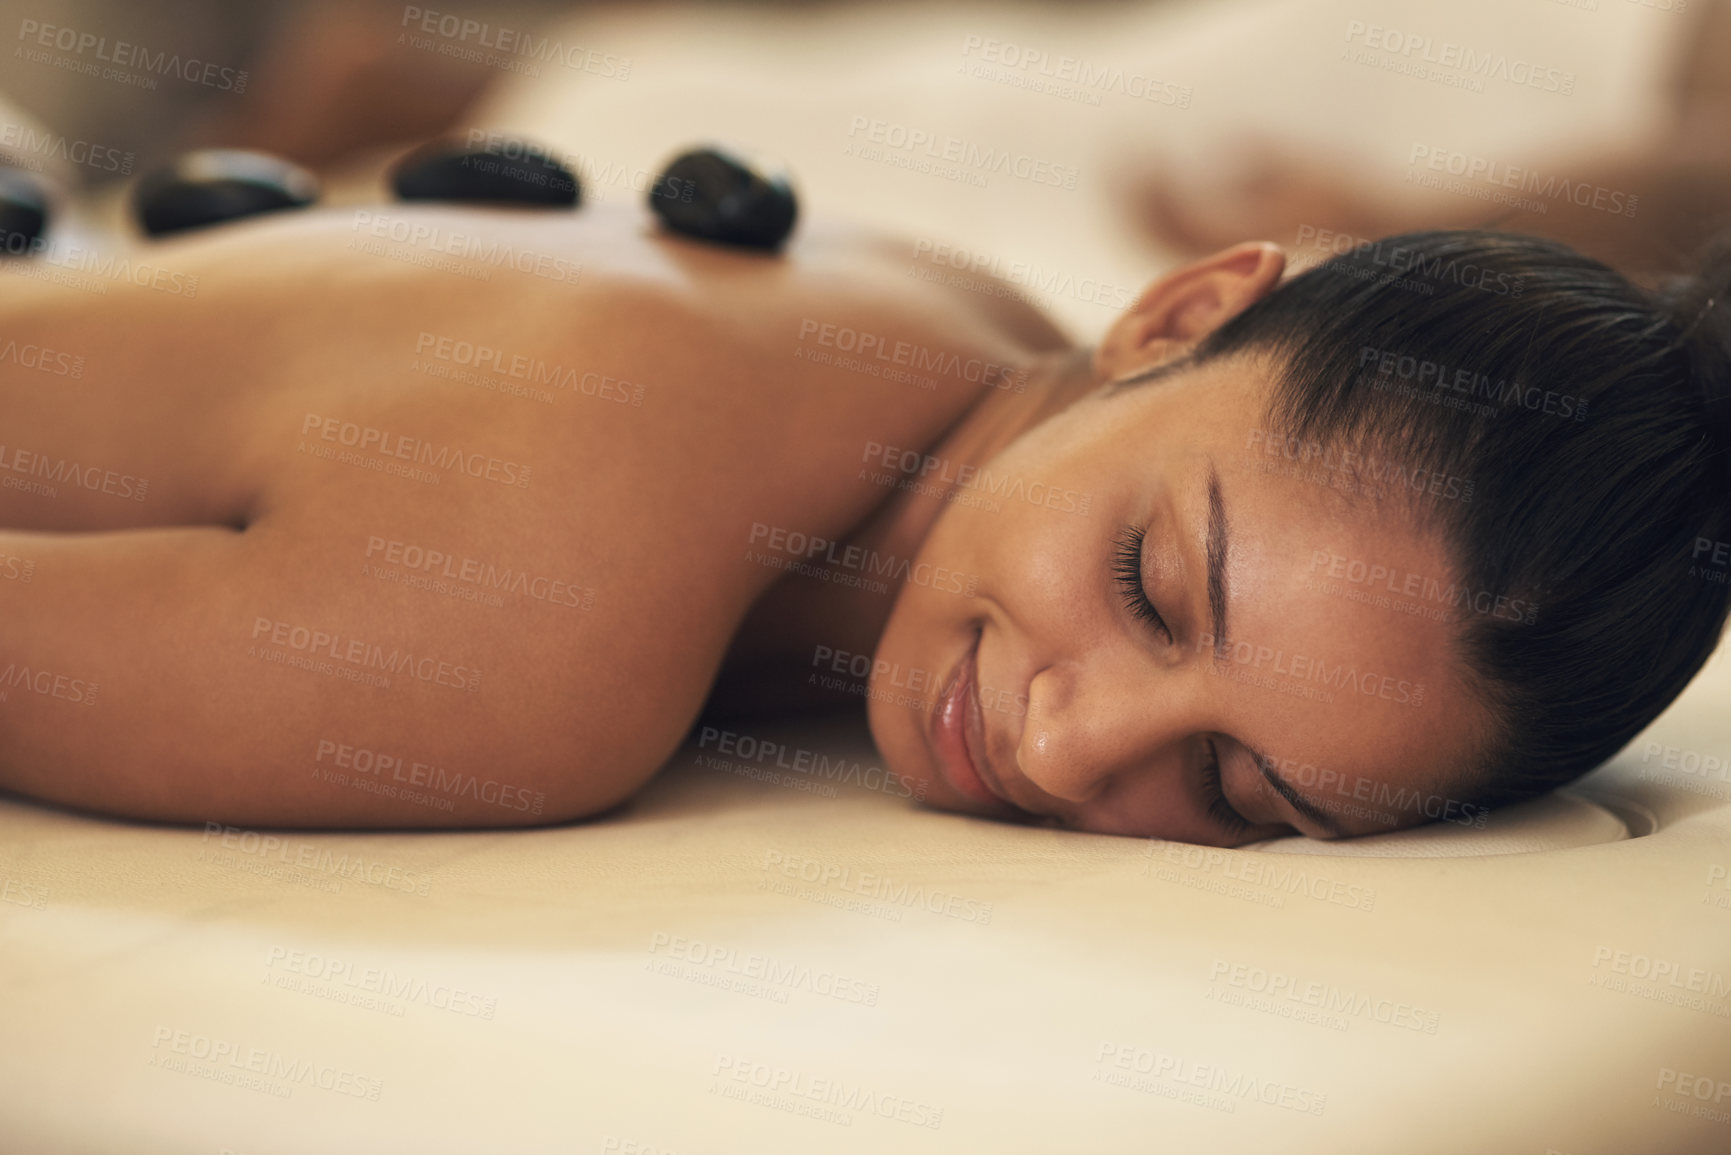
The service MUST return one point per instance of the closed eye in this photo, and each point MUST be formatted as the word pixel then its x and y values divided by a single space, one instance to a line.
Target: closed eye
pixel 1127 572
pixel 1214 793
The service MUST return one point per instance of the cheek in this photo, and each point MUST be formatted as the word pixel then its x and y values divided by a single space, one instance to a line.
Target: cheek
pixel 1019 578
pixel 1153 806
pixel 1147 807
pixel 1024 527
pixel 1064 470
pixel 1033 571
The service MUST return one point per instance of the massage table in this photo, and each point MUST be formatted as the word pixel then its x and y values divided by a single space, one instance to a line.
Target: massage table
pixel 761 955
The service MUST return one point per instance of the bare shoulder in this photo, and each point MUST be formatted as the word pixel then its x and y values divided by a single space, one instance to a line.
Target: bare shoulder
pixel 499 474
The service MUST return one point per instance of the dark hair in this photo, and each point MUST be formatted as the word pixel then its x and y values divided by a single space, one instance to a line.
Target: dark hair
pixel 1589 419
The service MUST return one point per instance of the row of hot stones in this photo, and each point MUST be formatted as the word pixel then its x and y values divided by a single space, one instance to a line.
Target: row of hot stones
pixel 711 193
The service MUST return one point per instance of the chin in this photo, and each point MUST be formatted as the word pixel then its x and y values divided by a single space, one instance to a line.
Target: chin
pixel 899 736
pixel 896 735
pixel 924 637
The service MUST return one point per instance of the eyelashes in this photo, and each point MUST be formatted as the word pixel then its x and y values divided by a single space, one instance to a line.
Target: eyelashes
pixel 1214 794
pixel 1127 572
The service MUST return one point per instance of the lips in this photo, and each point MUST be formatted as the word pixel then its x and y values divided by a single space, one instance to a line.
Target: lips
pixel 959 737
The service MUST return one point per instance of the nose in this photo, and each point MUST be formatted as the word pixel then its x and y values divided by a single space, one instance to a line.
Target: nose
pixel 1092 722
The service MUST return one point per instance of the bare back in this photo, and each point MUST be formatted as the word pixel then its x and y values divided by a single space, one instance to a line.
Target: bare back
pixel 432 516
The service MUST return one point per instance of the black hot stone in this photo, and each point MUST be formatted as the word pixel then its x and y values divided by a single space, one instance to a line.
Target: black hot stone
pixel 711 194
pixel 23 212
pixel 215 185
pixel 510 172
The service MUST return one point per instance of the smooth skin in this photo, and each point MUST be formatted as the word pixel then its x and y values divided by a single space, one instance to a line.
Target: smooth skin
pixel 235 620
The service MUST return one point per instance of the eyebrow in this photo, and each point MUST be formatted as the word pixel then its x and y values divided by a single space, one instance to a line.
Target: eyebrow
pixel 1305 807
pixel 1219 538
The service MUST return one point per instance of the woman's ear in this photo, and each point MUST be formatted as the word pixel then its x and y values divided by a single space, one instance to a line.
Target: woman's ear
pixel 1181 308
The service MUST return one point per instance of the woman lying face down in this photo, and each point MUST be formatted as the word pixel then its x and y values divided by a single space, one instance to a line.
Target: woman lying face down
pixel 1360 549
pixel 1433 527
